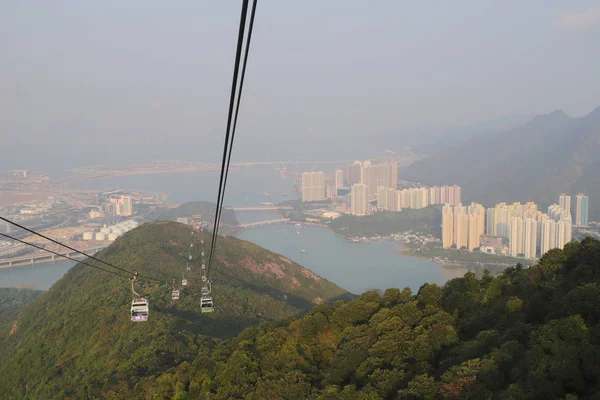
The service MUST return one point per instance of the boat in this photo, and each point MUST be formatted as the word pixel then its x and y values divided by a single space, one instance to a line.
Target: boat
pixel 268 194
pixel 303 251
pixel 297 232
pixel 266 203
pixel 298 225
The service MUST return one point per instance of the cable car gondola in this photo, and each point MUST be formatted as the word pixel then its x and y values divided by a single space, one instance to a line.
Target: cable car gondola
pixel 140 306
pixel 184 282
pixel 175 295
pixel 139 309
pixel 206 304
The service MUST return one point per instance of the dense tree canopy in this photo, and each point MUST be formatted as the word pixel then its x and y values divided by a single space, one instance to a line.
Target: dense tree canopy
pixel 426 220
pixel 529 333
pixel 76 339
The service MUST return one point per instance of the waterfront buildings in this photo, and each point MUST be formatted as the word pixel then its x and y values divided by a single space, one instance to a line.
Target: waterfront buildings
pixel 462 226
pixel 313 186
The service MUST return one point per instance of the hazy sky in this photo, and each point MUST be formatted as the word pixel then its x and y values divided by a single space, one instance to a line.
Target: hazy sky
pixel 111 69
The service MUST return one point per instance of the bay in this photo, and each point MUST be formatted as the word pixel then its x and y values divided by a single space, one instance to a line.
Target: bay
pixel 356 267
pixel 40 276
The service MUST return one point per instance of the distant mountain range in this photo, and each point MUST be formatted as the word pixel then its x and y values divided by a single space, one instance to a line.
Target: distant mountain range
pixel 429 139
pixel 551 154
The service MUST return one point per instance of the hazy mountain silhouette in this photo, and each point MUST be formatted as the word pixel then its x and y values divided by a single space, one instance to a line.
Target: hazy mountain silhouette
pixel 551 154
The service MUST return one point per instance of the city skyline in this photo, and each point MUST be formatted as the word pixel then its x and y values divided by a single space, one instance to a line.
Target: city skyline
pixel 529 231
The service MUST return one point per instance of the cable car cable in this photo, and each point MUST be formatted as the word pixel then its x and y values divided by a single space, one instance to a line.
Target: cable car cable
pixel 237 108
pixel 226 153
pixel 62 255
pixel 75 250
pixel 229 118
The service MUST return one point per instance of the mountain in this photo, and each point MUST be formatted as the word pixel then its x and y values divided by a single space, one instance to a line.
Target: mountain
pixel 76 340
pixel 549 155
pixel 529 333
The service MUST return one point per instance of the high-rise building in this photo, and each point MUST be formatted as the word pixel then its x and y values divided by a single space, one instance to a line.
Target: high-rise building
pixel 490 227
pixel 123 206
pixel 447 226
pixel 474 236
pixel 460 234
pixel 530 210
pixel 382 199
pixel 405 198
pixel 457 194
pixel 581 212
pixel 461 227
pixel 444 195
pixel 359 199
pixel 424 197
pixel 394 174
pixel 313 186
pixel 540 217
pixel 434 195
pixel 548 236
pixel 564 201
pixel 393 199
pixel 516 237
pixel 563 231
pixel 478 229
pixel 529 238
pixel 353 173
pixel 380 173
pixel 338 180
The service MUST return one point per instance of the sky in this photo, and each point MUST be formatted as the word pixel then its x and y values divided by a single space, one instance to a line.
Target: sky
pixel 123 72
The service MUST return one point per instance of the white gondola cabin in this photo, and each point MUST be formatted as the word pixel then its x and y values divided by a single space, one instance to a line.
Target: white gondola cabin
pixel 139 309
pixel 184 282
pixel 206 304
pixel 175 295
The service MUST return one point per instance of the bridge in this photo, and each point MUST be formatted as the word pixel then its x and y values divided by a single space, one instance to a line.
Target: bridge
pixel 261 223
pixel 266 208
pixel 39 258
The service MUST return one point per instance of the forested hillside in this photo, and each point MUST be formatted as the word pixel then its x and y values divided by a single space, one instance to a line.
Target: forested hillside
pixel 12 300
pixel 526 334
pixel 530 333
pixel 76 340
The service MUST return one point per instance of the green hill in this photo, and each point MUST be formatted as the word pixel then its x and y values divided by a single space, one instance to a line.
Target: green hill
pixel 76 340
pixel 12 300
pixel 529 333
pixel 526 334
pixel 537 161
